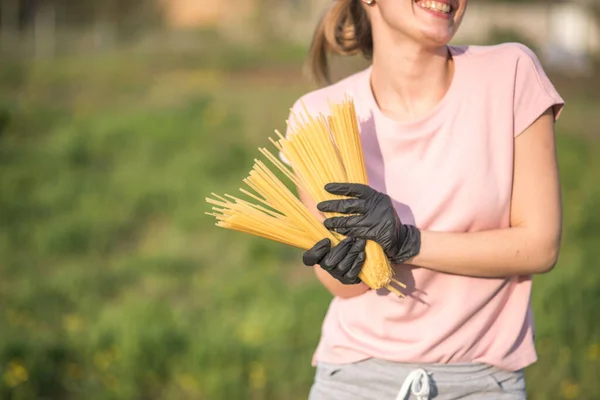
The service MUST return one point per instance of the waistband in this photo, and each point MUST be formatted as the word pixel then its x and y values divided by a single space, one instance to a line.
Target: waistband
pixel 473 370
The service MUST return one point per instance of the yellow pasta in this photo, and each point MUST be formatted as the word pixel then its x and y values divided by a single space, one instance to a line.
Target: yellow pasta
pixel 321 150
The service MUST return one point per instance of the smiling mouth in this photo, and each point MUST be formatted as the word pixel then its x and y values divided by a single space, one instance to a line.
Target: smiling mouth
pixel 435 6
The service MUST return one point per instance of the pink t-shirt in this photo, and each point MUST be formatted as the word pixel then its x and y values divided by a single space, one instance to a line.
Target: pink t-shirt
pixel 450 170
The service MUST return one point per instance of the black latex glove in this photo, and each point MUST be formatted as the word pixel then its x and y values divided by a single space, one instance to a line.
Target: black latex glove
pixel 375 219
pixel 344 261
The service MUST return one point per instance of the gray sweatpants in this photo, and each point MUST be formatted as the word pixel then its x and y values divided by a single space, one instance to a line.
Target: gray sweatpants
pixel 374 379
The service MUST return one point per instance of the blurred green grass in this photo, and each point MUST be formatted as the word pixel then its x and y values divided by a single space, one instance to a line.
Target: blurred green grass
pixel 115 285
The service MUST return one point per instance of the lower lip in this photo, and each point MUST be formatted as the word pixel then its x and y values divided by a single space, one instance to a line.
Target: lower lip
pixel 435 13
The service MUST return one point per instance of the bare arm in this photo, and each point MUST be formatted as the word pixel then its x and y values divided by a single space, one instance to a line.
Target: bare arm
pixel 334 286
pixel 531 244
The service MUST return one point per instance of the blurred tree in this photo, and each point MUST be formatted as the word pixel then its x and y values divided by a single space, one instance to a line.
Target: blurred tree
pixel 26 10
pixel 77 13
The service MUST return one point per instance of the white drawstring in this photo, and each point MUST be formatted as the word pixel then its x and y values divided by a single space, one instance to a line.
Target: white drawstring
pixel 418 383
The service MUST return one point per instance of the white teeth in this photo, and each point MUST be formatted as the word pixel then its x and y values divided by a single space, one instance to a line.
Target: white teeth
pixel 434 5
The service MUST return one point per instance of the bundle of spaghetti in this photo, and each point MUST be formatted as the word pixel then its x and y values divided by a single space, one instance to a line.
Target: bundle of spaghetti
pixel 240 215
pixel 323 150
pixel 320 150
pixel 281 217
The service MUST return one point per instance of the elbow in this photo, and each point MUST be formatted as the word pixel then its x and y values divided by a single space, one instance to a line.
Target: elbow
pixel 543 251
pixel 546 260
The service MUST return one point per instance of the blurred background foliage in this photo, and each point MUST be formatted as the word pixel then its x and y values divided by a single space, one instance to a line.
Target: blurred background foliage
pixel 113 282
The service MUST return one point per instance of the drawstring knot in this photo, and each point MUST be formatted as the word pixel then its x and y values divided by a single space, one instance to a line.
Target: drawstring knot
pixel 417 382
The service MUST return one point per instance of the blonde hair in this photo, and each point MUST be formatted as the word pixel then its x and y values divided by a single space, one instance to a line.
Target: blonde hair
pixel 344 29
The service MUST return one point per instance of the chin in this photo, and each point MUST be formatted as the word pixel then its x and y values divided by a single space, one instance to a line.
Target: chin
pixel 436 39
pixel 438 20
pixel 431 23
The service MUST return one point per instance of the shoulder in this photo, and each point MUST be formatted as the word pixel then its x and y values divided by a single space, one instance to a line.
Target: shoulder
pixel 511 68
pixel 508 51
pixel 502 58
pixel 514 71
pixel 318 101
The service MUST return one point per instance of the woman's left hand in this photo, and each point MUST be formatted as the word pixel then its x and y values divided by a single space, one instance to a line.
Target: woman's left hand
pixel 374 219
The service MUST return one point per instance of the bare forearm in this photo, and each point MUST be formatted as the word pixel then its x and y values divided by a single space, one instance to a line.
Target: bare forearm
pixel 488 254
pixel 338 289
pixel 335 287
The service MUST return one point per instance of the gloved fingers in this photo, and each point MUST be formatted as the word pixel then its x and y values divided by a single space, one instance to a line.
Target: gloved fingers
pixel 337 254
pixel 350 189
pixel 358 232
pixel 352 275
pixel 344 206
pixel 344 266
pixel 316 254
pixel 354 221
pixel 359 246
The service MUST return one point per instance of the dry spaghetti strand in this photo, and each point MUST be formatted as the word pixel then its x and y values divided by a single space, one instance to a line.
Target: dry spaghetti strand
pixel 324 150
pixel 320 150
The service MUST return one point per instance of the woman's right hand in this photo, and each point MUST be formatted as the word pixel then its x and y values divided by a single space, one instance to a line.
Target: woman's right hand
pixel 344 261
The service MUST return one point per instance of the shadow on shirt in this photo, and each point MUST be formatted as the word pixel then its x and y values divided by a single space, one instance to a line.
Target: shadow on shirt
pixel 376 173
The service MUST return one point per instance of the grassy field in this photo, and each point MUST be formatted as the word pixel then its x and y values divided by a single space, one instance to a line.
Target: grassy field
pixel 115 285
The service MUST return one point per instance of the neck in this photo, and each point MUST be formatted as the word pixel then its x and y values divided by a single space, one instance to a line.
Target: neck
pixel 408 80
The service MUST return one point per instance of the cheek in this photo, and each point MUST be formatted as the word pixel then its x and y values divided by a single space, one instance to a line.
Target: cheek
pixel 396 13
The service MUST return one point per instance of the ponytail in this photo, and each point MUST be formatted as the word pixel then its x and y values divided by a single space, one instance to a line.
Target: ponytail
pixel 345 30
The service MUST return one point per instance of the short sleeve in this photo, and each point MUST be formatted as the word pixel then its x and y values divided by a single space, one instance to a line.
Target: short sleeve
pixel 534 92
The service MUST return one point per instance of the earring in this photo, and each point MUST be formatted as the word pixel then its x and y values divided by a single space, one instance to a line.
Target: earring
pixel 369 2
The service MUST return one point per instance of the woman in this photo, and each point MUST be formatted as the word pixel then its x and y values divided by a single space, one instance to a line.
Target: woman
pixel 463 196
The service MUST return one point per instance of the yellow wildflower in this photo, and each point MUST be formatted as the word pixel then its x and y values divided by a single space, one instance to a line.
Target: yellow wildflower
pixel 258 377
pixel 15 374
pixel 569 390
pixel 594 352
pixel 187 383
pixel 72 323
